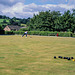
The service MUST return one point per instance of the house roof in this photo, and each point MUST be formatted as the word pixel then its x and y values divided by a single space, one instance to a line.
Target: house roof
pixel 12 27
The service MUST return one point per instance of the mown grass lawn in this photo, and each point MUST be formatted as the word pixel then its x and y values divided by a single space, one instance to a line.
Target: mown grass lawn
pixel 35 56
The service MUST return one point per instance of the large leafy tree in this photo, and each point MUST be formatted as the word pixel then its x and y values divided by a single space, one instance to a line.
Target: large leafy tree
pixel 73 21
pixel 53 21
pixel 44 21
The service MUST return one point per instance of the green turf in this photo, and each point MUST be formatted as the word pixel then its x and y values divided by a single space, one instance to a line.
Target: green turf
pixel 34 56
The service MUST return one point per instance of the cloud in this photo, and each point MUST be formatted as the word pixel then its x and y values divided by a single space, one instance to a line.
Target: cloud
pixel 20 10
pixel 17 8
pixel 34 8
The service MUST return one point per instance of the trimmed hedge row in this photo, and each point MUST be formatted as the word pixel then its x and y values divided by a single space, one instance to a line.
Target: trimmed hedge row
pixel 9 33
pixel 48 33
pixel 42 33
pixel 13 32
pixel 73 35
pixel 2 32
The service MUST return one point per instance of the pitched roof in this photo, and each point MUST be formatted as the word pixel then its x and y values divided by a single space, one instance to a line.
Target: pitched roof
pixel 12 27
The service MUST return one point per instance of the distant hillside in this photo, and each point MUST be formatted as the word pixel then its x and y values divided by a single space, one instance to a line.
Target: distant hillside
pixel 4 20
pixel 1 20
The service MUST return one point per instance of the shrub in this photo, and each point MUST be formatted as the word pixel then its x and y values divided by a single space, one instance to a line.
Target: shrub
pixel 42 33
pixel 48 33
pixel 19 32
pixel 65 34
pixel 52 33
pixel 24 29
pixel 9 33
pixel 2 32
pixel 73 34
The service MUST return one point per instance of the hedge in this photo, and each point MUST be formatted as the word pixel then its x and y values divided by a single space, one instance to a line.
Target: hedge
pixel 42 33
pixel 73 35
pixel 2 32
pixel 48 33
pixel 9 33
pixel 19 32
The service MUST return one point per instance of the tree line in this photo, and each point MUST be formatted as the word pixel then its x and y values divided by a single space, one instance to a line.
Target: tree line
pixel 53 21
pixel 18 21
pixel 14 20
pixel 4 20
pixel 45 21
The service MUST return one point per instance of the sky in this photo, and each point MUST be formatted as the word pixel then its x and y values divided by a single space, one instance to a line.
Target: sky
pixel 27 8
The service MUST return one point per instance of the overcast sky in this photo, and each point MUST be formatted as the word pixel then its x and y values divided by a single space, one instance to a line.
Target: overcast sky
pixel 26 8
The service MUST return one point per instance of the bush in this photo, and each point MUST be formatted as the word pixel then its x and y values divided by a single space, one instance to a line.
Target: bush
pixel 9 33
pixel 48 33
pixel 2 32
pixel 42 33
pixel 24 29
pixel 73 34
pixel 52 33
pixel 33 32
pixel 65 34
pixel 19 32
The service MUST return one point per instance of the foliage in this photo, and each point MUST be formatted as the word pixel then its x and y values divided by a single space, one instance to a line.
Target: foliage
pixel 19 32
pixel 9 33
pixel 1 27
pixel 48 33
pixel 4 20
pixel 1 30
pixel 53 21
pixel 24 29
pixel 42 33
pixel 44 21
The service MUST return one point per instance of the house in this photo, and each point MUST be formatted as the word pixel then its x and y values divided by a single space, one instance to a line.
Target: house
pixel 12 27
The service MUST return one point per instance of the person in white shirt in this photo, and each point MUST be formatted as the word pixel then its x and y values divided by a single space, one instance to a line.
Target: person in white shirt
pixel 25 33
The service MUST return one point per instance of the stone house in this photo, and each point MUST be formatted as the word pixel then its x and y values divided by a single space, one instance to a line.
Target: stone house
pixel 12 27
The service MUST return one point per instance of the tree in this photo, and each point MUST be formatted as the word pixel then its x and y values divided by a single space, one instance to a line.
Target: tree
pixel 73 12
pixel 65 21
pixel 4 17
pixel 44 21
pixel 0 16
pixel 11 21
pixel 1 27
pixel 1 30
pixel 4 21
